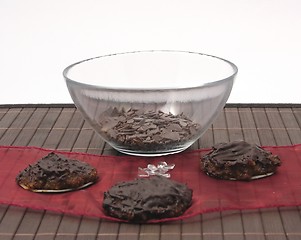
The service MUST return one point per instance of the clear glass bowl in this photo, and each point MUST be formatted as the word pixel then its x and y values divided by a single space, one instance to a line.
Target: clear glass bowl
pixel 151 103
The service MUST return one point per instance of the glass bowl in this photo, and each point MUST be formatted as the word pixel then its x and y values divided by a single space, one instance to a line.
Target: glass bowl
pixel 150 103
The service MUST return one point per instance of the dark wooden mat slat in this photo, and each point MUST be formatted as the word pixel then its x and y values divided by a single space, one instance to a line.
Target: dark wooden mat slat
pixel 62 137
pixel 108 230
pixel 207 139
pixel 96 144
pixel 128 231
pixel 291 125
pixel 88 228
pixel 212 226
pixel 26 228
pixel 264 130
pixel 290 216
pixel 297 114
pixel 252 225
pixel 149 232
pixel 49 223
pixel 192 228
pixel 57 131
pixel 3 112
pixel 16 223
pixel 10 222
pixel 62 127
pixel 231 130
pixel 220 131
pixel 84 138
pixel 279 131
pixel 252 221
pixel 30 128
pixel 233 122
pixel 248 125
pixel 7 120
pixel 44 127
pixel 271 218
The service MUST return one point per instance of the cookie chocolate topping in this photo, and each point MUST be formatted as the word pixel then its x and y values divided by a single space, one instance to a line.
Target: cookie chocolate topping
pixel 56 172
pixel 239 160
pixel 147 198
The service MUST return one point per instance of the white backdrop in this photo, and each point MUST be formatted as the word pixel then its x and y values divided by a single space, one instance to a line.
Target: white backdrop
pixel 39 38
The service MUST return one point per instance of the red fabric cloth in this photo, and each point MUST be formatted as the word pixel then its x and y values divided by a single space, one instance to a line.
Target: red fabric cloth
pixel 209 194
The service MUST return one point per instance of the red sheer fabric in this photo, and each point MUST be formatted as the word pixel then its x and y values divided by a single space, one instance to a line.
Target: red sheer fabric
pixel 209 194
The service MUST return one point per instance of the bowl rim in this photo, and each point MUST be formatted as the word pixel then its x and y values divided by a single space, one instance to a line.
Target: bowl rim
pixel 92 86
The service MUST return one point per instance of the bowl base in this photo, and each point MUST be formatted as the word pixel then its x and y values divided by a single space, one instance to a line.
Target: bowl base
pixel 151 154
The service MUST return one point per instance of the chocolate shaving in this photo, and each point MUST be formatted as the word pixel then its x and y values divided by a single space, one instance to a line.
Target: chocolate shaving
pixel 139 129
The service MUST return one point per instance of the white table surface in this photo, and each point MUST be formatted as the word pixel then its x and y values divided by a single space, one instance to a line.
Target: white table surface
pixel 39 38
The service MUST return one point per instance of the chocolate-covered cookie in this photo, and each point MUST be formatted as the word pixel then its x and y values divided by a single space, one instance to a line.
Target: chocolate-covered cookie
pixel 56 173
pixel 239 160
pixel 147 198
